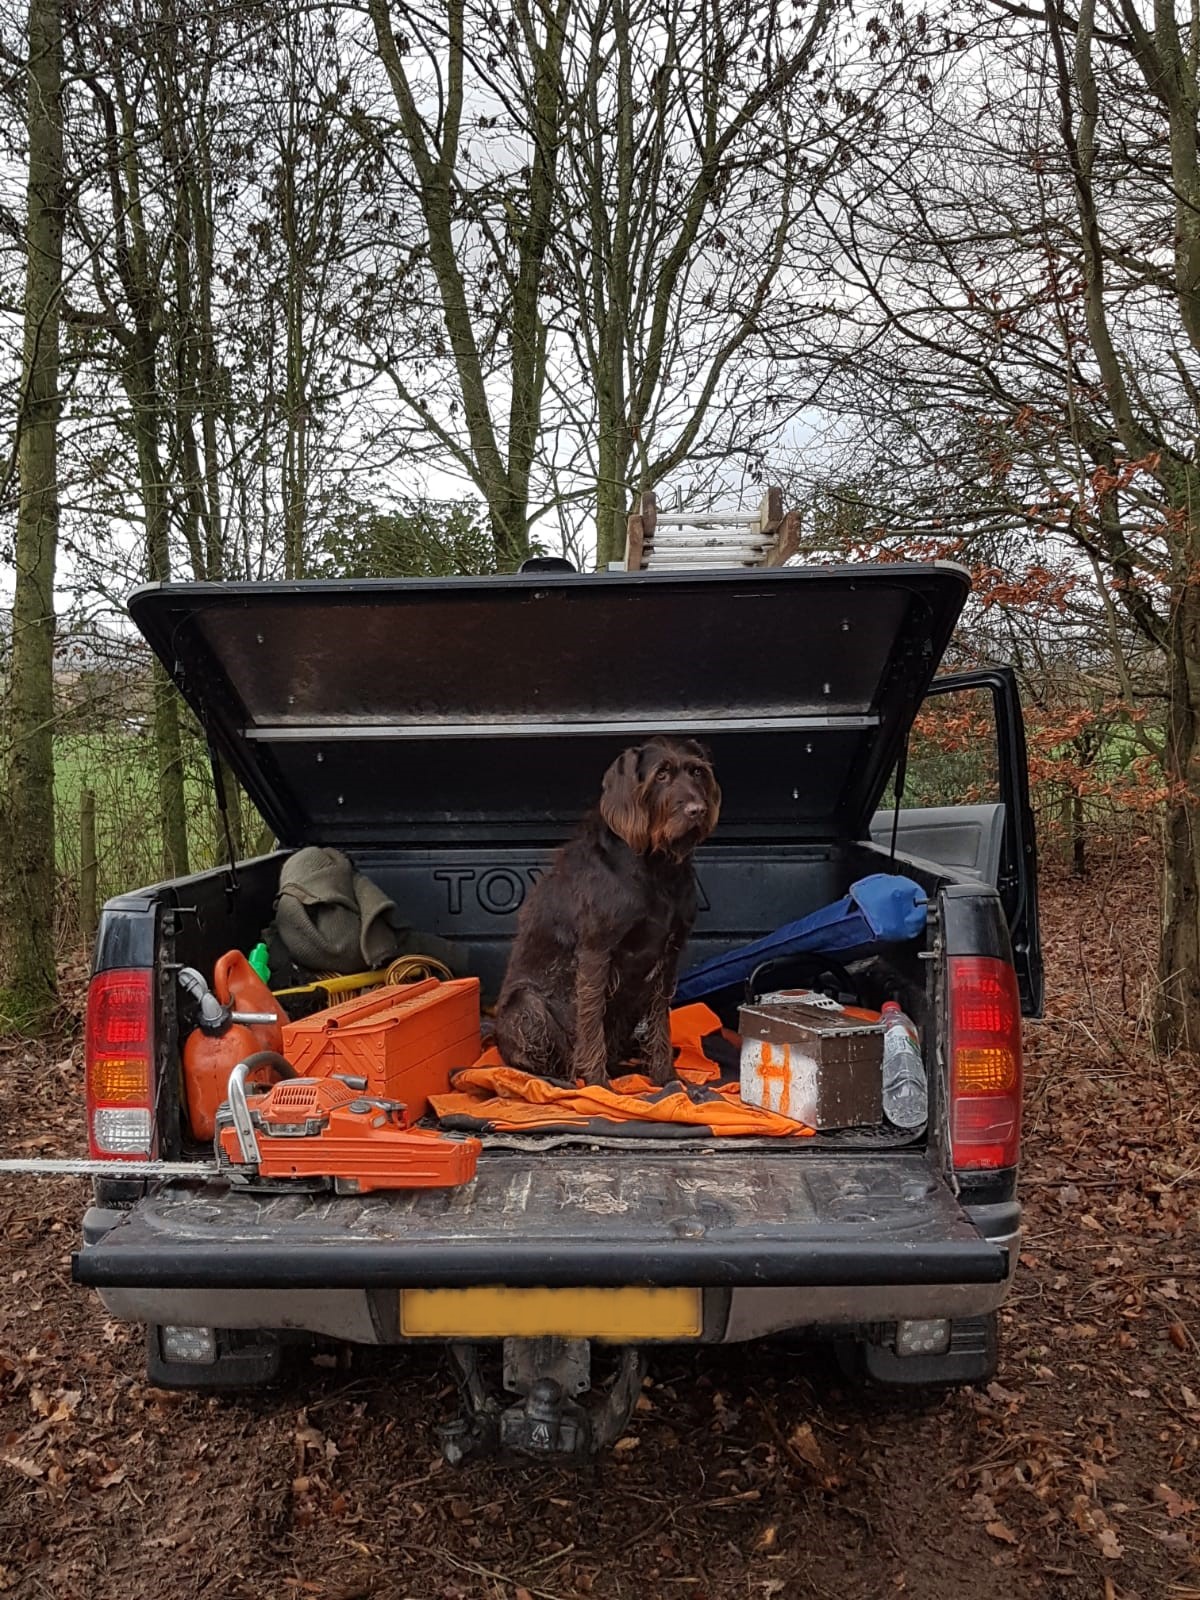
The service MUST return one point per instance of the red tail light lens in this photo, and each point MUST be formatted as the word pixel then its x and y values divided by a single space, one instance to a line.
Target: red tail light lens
pixel 985 1062
pixel 119 1064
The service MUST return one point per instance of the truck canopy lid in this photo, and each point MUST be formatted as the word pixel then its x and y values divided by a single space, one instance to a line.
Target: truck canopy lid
pixel 375 712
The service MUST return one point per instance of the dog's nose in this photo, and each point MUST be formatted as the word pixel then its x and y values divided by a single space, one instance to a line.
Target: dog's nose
pixel 695 809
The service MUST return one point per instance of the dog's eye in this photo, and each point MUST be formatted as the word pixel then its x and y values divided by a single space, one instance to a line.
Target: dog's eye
pixel 663 775
pixel 697 772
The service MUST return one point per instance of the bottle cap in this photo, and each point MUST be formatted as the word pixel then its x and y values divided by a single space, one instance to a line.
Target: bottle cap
pixel 260 961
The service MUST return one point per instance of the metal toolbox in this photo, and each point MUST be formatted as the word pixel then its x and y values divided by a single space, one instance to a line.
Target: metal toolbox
pixel 813 1060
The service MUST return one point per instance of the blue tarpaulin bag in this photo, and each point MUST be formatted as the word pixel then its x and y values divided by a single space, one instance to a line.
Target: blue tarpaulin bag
pixel 881 909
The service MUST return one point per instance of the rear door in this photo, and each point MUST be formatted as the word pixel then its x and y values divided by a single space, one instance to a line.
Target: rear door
pixel 964 802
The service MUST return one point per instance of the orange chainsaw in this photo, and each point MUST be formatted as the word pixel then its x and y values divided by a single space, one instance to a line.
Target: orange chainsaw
pixel 325 1132
pixel 313 1134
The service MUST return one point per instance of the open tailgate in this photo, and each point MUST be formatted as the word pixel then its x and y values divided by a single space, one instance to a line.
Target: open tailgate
pixel 707 1218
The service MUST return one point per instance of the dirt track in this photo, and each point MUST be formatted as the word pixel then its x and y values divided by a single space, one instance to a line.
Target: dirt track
pixel 749 1472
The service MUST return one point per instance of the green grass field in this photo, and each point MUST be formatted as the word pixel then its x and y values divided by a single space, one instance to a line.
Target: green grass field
pixel 119 769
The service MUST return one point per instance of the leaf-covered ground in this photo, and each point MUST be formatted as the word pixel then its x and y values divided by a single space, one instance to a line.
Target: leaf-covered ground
pixel 747 1472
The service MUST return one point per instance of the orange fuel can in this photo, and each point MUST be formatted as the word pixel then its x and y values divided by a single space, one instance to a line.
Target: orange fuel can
pixel 210 1053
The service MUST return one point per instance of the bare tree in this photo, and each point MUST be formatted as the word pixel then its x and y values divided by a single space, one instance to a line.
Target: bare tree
pixel 481 237
pixel 1021 343
pixel 697 134
pixel 607 246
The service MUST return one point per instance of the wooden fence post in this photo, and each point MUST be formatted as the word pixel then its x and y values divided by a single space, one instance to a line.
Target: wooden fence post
pixel 89 914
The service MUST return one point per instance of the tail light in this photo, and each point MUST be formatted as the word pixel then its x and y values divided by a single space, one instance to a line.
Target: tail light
pixel 985 1062
pixel 119 1064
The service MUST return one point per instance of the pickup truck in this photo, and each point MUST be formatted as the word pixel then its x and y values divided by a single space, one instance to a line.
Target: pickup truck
pixel 446 735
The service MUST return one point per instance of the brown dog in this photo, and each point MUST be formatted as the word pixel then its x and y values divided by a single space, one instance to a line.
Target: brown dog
pixel 592 968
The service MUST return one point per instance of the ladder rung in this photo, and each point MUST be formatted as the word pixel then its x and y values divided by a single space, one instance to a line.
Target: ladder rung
pixel 713 519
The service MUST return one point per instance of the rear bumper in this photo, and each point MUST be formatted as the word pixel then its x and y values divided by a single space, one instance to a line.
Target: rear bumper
pixel 780 1242
pixel 370 1317
pixel 526 1264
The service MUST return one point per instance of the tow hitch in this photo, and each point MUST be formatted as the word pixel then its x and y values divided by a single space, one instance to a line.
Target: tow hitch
pixel 549 1376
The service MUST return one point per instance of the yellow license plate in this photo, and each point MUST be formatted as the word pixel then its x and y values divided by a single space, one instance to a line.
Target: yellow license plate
pixel 619 1316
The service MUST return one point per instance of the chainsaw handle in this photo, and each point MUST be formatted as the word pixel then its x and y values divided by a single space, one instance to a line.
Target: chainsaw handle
pixel 279 1065
pixel 243 1125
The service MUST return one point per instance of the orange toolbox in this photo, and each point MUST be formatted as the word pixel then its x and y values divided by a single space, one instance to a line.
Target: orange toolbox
pixel 404 1039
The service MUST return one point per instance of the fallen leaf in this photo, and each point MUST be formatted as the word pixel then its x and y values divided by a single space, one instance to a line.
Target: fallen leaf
pixel 1178 1335
pixel 1003 1396
pixel 23 1465
pixel 625 1445
pixel 1110 1545
pixel 1174 1539
pixel 1001 1531
pixel 766 1539
pixel 520 1593
pixel 803 1441
pixel 980 1507
pixel 117 1475
pixel 65 1404
pixel 1176 1505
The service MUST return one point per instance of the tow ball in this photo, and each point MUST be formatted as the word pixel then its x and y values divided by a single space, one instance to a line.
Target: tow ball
pixel 556 1411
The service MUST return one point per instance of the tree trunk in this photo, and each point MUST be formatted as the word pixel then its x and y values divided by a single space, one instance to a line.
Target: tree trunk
pixel 1178 1022
pixel 510 529
pixel 168 741
pixel 88 867
pixel 168 751
pixel 1078 843
pixel 612 495
pixel 233 814
pixel 610 221
pixel 28 910
pixel 1064 819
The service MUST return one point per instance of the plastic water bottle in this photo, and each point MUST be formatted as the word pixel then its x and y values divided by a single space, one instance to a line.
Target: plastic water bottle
pixel 905 1094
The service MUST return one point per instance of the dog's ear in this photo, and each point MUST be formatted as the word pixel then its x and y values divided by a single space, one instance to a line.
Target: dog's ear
pixel 622 803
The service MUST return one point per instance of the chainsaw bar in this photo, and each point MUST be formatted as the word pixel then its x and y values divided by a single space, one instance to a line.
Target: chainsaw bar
pixel 47 1167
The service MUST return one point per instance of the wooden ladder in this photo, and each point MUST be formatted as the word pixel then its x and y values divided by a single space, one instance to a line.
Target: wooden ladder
pixel 656 540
